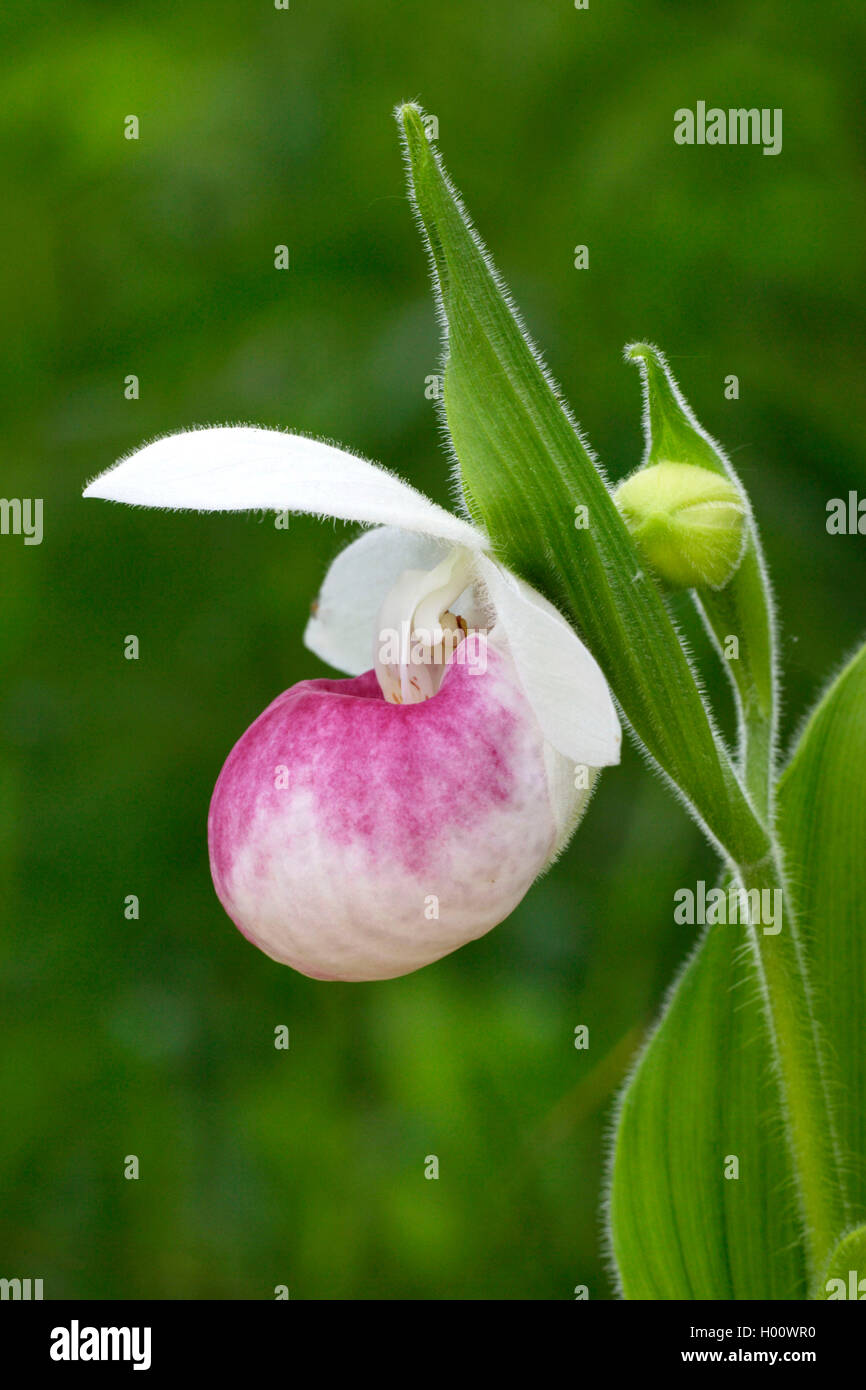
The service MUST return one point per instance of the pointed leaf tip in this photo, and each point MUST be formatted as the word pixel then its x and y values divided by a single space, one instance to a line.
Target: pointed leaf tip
pixel 410 116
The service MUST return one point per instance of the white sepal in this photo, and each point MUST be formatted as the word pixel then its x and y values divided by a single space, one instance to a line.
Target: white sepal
pixel 242 468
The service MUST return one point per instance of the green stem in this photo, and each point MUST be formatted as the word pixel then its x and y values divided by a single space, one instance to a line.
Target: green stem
pixel 812 1135
pixel 743 609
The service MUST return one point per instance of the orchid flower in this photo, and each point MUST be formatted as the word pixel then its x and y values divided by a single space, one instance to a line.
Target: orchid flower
pixel 362 828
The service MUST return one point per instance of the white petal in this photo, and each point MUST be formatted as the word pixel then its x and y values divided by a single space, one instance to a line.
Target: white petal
pixel 417 630
pixel 569 801
pixel 561 678
pixel 242 468
pixel 343 628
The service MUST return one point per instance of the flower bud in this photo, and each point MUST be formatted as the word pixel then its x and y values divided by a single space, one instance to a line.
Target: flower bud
pixel 689 523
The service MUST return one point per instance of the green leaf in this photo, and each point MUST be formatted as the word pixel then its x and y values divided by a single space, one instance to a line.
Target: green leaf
pixel 704 1093
pixel 822 813
pixel 526 471
pixel 845 1269
pixel 707 1085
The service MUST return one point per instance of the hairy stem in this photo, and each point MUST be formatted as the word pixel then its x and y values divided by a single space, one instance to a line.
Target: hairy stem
pixel 812 1134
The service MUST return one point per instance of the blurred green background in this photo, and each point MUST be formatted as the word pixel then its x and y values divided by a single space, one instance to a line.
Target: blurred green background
pixel 259 127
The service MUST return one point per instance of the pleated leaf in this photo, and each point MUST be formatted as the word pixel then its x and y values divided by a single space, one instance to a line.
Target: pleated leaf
pixel 704 1092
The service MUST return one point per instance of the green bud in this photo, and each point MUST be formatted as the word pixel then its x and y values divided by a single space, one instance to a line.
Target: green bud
pixel 743 607
pixel 688 523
